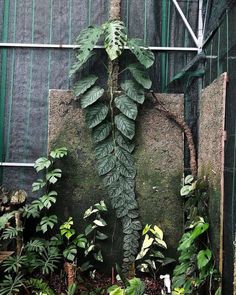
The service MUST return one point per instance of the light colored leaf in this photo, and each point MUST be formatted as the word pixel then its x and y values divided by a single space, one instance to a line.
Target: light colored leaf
pixel 115 38
pixel 100 222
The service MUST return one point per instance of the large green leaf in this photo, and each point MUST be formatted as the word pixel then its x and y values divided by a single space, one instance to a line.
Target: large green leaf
pixel 125 157
pixel 125 126
pixel 79 63
pixel 103 149
pixel 127 171
pixel 96 114
pixel 203 258
pixel 144 55
pixel 106 164
pixel 133 90
pixel 140 75
pixel 124 142
pixel 126 106
pixel 111 177
pixel 87 40
pixel 91 96
pixel 101 132
pixel 115 38
pixel 84 84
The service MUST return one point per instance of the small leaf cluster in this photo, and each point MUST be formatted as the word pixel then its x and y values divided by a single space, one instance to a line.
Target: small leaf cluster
pixel 196 266
pixel 150 258
pixel 111 118
pixel 45 202
pixel 85 245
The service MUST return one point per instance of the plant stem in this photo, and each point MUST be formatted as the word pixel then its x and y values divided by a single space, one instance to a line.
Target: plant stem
pixel 185 128
pixel 111 94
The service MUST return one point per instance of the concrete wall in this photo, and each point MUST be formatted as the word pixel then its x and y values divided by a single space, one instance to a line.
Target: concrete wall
pixel 159 159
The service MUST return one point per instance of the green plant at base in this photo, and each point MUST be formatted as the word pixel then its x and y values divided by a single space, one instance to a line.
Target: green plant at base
pixel 39 287
pixel 37 254
pixel 196 266
pixel 11 285
pixel 150 259
pixel 111 117
pixel 134 287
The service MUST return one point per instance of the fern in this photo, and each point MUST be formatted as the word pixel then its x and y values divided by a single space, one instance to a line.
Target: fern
pixel 11 285
pixel 112 121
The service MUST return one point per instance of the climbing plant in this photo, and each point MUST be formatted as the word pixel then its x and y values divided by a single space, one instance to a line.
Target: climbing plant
pixel 110 112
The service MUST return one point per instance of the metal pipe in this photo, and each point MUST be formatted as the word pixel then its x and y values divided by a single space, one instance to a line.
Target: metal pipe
pixel 12 164
pixel 200 26
pixel 65 46
pixel 195 39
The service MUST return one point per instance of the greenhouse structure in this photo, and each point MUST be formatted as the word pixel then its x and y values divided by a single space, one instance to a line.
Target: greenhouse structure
pixel 118 147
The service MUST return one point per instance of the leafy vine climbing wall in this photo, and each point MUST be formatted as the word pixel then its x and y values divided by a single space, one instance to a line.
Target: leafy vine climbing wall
pixel 111 117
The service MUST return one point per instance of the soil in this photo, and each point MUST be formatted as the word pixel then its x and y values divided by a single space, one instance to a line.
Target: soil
pixel 100 283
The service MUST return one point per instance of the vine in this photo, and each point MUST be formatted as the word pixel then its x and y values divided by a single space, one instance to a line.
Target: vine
pixel 111 115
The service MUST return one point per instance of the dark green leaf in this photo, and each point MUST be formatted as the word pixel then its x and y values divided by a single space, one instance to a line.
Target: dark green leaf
pixel 144 56
pixel 134 91
pixel 126 106
pixel 80 63
pixel 101 132
pixel 140 75
pixel 87 40
pixel 124 142
pixel 101 236
pixel 111 177
pixel 91 96
pixel 106 164
pixel 96 114
pixel 84 84
pixel 103 149
pixel 125 126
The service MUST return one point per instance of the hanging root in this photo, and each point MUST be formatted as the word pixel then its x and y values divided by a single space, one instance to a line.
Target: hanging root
pixel 184 127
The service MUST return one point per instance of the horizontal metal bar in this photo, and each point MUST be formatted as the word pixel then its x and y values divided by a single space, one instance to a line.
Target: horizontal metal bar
pixel 67 46
pixel 13 164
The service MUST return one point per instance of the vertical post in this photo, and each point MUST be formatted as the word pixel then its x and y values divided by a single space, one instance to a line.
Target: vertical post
pixel 200 26
pixel 3 80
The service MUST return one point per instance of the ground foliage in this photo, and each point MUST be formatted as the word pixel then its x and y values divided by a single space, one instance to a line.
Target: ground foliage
pixel 196 271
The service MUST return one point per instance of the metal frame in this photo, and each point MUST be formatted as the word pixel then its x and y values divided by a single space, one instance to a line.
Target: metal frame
pixel 198 40
pixel 13 164
pixel 67 46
